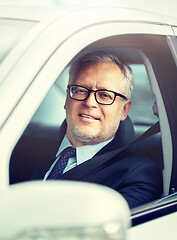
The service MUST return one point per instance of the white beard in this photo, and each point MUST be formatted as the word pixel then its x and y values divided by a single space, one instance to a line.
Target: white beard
pixel 84 137
pixel 90 137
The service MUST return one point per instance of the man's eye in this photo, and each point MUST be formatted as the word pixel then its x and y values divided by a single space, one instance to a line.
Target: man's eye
pixel 80 91
pixel 105 95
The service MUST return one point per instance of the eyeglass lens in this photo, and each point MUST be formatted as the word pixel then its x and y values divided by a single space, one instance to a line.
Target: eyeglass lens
pixel 102 96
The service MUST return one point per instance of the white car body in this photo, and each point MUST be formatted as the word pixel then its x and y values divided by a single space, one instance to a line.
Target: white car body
pixel 51 36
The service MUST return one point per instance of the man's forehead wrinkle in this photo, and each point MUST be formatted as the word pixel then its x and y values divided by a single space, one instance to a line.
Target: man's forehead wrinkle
pixel 96 83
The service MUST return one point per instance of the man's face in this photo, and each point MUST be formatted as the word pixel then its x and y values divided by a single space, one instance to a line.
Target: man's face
pixel 89 122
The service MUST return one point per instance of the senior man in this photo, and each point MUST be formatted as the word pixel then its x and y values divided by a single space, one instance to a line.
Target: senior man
pixel 98 98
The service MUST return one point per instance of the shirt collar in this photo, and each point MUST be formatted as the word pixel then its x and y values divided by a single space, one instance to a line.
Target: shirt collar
pixel 64 144
pixel 83 153
pixel 86 152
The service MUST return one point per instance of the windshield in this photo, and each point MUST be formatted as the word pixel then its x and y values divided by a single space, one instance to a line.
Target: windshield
pixel 12 31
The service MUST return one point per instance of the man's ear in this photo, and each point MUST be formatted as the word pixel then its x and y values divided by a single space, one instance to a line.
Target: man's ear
pixel 125 110
pixel 66 99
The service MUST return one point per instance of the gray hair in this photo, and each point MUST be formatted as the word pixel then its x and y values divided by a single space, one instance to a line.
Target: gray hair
pixel 103 57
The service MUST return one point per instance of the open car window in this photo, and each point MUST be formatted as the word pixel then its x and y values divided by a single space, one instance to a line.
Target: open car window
pixel 146 67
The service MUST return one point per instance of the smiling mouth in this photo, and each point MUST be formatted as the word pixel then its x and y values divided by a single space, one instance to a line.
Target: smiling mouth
pixel 89 117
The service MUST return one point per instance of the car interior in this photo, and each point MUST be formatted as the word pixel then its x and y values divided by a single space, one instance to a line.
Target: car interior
pixel 47 121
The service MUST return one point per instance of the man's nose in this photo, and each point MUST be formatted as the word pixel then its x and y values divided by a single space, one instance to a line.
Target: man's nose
pixel 91 101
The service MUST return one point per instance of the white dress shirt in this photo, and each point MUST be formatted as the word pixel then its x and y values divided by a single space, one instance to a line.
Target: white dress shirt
pixel 83 154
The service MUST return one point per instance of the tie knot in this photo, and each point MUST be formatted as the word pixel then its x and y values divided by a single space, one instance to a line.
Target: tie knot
pixel 69 152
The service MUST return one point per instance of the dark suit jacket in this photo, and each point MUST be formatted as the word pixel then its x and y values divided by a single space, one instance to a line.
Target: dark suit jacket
pixel 136 177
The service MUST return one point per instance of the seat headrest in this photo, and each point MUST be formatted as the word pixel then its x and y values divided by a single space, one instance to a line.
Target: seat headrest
pixel 126 131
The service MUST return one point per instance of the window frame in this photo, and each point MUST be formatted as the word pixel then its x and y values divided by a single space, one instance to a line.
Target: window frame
pixel 45 73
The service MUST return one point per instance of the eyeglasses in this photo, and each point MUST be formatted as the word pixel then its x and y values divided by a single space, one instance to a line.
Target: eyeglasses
pixel 102 96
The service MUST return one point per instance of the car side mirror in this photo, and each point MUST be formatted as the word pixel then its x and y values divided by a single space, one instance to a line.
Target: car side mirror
pixel 63 210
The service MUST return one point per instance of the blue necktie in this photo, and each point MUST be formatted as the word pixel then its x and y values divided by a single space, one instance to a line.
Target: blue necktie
pixel 62 162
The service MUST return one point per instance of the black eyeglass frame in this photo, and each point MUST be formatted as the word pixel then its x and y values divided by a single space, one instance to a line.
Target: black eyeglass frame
pixel 95 91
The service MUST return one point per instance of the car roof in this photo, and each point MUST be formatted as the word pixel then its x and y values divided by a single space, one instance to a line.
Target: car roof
pixel 165 7
pixel 37 10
